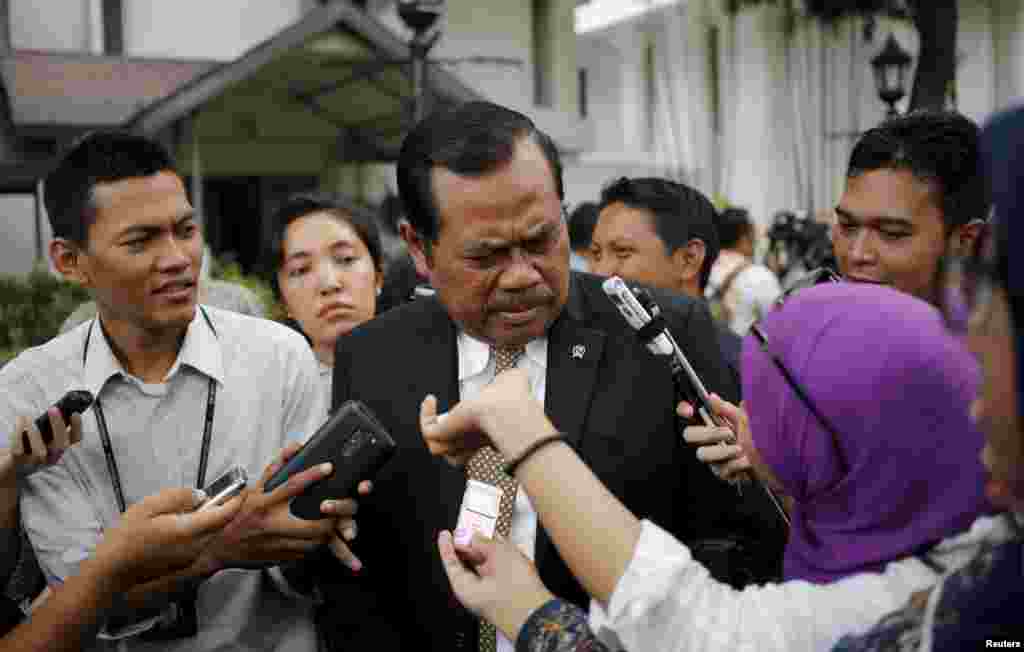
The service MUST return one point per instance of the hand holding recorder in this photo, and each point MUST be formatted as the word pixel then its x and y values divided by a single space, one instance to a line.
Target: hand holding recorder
pixel 727 460
pixel 265 533
pixel 644 315
pixel 494 580
pixel 161 535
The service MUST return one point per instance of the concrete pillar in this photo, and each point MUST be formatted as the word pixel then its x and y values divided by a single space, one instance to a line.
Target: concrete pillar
pixel 1008 46
pixel 5 27
pixel 94 26
pixel 629 42
pixel 564 76
pixel 8 141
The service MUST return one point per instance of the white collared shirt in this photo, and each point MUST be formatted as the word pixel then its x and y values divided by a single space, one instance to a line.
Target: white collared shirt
pixel 665 600
pixel 268 388
pixel 752 293
pixel 476 371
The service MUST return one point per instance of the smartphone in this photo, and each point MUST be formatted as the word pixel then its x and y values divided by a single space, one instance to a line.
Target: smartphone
pixel 225 487
pixel 354 441
pixel 74 402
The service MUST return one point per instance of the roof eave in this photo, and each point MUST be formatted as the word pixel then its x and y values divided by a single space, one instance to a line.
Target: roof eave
pixel 165 112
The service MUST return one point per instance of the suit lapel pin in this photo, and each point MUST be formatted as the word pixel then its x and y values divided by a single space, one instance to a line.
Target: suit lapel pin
pixel 578 351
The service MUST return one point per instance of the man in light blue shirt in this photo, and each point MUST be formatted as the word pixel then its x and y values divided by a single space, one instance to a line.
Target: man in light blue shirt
pixel 183 392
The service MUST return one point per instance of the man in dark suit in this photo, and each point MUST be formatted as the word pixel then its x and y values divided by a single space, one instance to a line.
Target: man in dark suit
pixel 664 234
pixel 660 233
pixel 483 190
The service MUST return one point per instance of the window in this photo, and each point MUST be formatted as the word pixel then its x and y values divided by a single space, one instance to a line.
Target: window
pixel 582 80
pixel 113 27
pixel 543 34
pixel 650 93
pixel 714 79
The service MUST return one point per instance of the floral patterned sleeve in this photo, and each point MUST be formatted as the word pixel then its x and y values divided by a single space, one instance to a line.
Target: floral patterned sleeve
pixel 558 626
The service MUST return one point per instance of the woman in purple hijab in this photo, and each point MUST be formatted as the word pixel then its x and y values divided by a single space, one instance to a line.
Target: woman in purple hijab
pixel 892 465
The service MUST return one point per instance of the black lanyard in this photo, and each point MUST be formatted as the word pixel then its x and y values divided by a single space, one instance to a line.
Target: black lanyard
pixel 108 449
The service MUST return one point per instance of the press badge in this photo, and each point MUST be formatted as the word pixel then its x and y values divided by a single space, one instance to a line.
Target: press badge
pixel 479 511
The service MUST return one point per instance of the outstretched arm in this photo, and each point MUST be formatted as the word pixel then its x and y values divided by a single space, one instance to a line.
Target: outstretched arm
pixel 497 582
pixel 594 533
pixel 156 537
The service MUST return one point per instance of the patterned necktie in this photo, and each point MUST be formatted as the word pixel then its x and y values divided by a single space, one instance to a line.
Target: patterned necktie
pixel 485 466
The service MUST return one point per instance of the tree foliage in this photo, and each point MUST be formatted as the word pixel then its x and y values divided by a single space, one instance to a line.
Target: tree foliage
pixel 934 20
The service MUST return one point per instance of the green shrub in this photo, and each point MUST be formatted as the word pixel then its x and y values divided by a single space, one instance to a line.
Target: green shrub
pixel 232 272
pixel 32 308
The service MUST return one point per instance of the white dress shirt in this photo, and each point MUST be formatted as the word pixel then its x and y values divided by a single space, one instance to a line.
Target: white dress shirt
pixel 267 388
pixel 476 371
pixel 751 295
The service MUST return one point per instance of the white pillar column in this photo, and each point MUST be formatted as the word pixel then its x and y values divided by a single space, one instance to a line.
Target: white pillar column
pixel 94 22
pixel 1008 25
pixel 629 43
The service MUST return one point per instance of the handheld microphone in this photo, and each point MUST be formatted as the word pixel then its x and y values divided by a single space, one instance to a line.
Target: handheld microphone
pixel 644 315
pixel 642 312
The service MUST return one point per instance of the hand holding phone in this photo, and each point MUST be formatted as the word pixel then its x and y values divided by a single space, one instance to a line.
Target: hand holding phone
pixel 225 487
pixel 74 402
pixel 32 446
pixel 357 445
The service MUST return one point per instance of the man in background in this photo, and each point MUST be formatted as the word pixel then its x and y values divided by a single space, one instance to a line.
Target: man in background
pixel 581 229
pixel 739 291
pixel 660 233
pixel 915 192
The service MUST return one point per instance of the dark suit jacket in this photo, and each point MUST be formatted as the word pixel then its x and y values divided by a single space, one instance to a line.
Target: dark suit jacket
pixel 731 346
pixel 615 404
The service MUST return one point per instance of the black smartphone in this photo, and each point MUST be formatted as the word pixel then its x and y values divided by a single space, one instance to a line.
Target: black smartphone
pixel 74 402
pixel 354 441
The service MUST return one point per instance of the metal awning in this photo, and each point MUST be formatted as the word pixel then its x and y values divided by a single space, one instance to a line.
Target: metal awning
pixel 318 92
pixel 48 90
pixel 54 96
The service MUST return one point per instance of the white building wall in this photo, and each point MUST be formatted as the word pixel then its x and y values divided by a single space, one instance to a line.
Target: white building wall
pixel 755 146
pixel 204 29
pixel 62 25
pixel 976 66
pixel 1008 52
pixel 602 62
pixel 185 29
pixel 18 248
pixel 617 87
pixel 585 178
pixel 492 28
pixel 503 28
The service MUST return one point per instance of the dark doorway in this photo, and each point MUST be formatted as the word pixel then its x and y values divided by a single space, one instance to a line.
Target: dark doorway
pixel 237 213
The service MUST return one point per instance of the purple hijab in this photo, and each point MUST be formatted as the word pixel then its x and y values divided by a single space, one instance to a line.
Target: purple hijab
pixel 897 387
